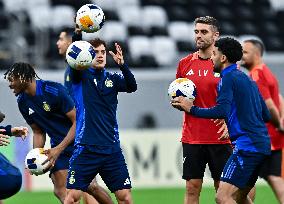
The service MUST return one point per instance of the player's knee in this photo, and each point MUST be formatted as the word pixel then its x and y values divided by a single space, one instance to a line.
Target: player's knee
pixel 124 196
pixel 193 189
pixel 71 199
pixel 12 185
pixel 221 197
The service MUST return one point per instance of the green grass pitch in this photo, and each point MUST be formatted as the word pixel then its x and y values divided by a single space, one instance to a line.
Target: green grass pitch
pixel 264 195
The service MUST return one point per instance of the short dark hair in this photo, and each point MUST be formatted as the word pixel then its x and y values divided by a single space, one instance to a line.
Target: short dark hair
pixel 68 30
pixel 258 44
pixel 231 48
pixel 209 20
pixel 24 71
pixel 97 42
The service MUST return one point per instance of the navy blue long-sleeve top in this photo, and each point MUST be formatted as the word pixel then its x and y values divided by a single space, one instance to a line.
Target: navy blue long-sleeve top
pixel 244 110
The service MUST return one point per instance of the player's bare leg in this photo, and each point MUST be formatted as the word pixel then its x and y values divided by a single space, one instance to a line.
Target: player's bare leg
pixel 123 196
pixel 252 194
pixel 73 196
pixel 101 195
pixel 192 192
pixel 228 194
pixel 89 199
pixel 277 185
pixel 59 181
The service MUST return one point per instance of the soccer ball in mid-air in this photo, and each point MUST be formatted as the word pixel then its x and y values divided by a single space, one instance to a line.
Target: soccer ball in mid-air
pixel 90 18
pixel 34 160
pixel 80 55
pixel 182 87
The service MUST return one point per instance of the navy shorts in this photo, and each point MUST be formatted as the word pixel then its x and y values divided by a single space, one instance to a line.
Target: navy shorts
pixel 62 163
pixel 242 168
pixel 86 164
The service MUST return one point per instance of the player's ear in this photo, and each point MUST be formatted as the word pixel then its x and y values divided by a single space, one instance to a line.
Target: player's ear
pixel 216 35
pixel 223 58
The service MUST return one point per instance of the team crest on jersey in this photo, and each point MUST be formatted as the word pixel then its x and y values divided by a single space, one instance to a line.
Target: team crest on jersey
pixel 108 83
pixel 67 78
pixel 46 107
pixel 72 179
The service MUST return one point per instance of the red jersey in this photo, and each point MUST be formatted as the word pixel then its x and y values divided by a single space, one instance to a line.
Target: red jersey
pixel 200 71
pixel 269 88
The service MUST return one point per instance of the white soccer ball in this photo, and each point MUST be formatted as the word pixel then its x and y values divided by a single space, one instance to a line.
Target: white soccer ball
pixel 90 18
pixel 34 160
pixel 80 55
pixel 182 87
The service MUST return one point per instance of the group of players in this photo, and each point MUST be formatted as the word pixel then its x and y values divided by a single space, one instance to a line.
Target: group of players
pixel 86 107
pixel 243 104
pixel 81 122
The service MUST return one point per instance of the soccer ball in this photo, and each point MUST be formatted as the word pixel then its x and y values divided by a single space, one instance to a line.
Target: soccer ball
pixel 80 55
pixel 90 18
pixel 34 160
pixel 182 87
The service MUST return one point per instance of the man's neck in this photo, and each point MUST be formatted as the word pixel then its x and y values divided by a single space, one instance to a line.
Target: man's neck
pixel 31 88
pixel 256 63
pixel 205 54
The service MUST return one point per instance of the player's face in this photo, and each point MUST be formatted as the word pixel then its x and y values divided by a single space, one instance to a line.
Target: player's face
pixel 204 36
pixel 216 58
pixel 63 42
pixel 17 85
pixel 100 59
pixel 248 55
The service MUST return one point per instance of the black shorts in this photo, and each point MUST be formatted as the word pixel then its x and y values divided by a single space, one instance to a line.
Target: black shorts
pixel 196 156
pixel 272 165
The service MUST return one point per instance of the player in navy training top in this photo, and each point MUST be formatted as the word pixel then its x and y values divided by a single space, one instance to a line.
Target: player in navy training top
pixel 97 138
pixel 10 176
pixel 101 195
pixel 48 109
pixel 243 108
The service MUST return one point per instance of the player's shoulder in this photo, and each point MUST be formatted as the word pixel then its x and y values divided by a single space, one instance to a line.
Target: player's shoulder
pixel 52 87
pixel 259 71
pixel 190 57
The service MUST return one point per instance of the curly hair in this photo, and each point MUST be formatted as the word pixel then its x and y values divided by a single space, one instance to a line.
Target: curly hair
pixel 24 71
pixel 231 48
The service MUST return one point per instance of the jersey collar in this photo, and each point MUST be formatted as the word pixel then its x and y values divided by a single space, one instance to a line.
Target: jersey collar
pixel 228 69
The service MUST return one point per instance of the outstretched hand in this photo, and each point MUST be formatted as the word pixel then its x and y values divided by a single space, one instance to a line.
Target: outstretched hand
pixel 20 132
pixel 118 56
pixel 52 155
pixel 4 139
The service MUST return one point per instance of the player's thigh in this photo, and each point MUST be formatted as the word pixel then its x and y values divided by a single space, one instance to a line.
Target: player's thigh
pixel 272 165
pixel 9 185
pixel 83 167
pixel 218 155
pixel 115 173
pixel 226 189
pixel 194 161
pixel 242 169
pixel 59 178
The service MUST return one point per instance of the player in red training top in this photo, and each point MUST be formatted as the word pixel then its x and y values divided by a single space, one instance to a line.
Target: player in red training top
pixel 202 144
pixel 269 88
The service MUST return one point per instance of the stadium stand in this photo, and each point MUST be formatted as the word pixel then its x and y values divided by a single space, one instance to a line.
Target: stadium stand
pixel 168 21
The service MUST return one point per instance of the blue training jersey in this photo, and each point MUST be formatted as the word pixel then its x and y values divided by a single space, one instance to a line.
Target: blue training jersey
pixel 244 110
pixel 48 109
pixel 95 93
pixel 67 81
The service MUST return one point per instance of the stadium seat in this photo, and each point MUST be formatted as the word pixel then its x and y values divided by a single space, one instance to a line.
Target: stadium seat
pixel 111 15
pixel 62 16
pixel 273 43
pixel 130 15
pixel 154 16
pixel 179 30
pixel 138 46
pixel 164 50
pixel 122 3
pixel 228 28
pixel 41 21
pixel 223 13
pixel 14 5
pixel 106 4
pixel 114 30
pixel 277 4
pixel 153 2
